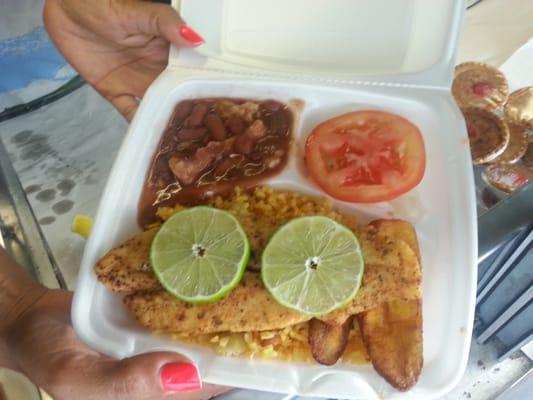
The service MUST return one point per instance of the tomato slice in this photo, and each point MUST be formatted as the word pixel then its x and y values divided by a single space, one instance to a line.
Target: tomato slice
pixel 366 156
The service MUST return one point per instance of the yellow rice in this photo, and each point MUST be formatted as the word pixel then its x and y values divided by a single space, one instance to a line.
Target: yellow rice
pixel 264 209
pixel 260 213
pixel 289 344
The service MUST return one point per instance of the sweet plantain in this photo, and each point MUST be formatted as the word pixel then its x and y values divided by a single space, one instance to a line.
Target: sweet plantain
pixel 392 331
pixel 328 341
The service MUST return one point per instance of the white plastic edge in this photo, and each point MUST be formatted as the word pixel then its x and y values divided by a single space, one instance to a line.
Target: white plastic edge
pixel 87 281
pixel 438 76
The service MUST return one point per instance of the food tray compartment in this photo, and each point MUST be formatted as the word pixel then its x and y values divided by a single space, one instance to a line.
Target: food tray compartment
pixel 441 208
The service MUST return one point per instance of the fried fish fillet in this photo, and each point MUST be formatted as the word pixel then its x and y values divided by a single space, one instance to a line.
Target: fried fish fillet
pixel 249 307
pixel 392 331
pixel 391 272
pixel 126 268
pixel 328 342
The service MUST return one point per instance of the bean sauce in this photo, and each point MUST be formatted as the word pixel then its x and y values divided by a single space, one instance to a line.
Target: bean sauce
pixel 211 146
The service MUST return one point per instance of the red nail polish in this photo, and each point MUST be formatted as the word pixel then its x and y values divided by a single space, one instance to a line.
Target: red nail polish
pixel 190 35
pixel 180 377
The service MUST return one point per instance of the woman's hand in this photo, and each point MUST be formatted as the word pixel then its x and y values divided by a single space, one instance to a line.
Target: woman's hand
pixel 43 346
pixel 37 339
pixel 117 46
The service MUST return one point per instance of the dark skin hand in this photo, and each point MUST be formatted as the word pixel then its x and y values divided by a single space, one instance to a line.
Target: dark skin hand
pixel 37 339
pixel 117 46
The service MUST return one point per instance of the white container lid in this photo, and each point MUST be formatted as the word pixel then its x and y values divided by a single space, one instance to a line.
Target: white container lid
pixel 400 42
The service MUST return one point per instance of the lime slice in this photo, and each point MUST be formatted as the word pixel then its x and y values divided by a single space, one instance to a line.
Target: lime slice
pixel 82 225
pixel 313 265
pixel 199 254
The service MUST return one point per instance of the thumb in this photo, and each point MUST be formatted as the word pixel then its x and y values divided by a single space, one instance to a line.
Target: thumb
pixel 127 105
pixel 160 20
pixel 149 376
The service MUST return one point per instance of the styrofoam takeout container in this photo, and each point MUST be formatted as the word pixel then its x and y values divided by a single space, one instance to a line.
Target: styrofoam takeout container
pixel 336 56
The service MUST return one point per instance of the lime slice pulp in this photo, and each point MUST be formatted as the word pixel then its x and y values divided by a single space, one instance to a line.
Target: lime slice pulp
pixel 313 265
pixel 200 254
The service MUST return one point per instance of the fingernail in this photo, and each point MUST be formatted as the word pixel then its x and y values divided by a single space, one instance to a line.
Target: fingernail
pixel 180 377
pixel 190 35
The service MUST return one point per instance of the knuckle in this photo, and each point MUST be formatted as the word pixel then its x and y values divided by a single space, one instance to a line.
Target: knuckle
pixel 64 375
pixel 154 19
pixel 134 384
pixel 57 383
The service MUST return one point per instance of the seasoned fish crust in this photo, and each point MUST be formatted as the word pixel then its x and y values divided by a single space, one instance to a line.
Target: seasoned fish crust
pixel 126 268
pixel 392 272
pixel 249 307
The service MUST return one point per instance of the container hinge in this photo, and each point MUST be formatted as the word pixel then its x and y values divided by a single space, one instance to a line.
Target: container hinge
pixel 302 78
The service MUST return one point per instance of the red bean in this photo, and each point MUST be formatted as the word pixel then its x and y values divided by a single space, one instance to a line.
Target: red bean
pixel 197 116
pixel 215 126
pixel 236 124
pixel 183 110
pixel 271 105
pixel 277 123
pixel 186 134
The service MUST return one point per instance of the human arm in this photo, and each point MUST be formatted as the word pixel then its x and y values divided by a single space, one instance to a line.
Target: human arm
pixel 18 292
pixel 37 339
pixel 118 46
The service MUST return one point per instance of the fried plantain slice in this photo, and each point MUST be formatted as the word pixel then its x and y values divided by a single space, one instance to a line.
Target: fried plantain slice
pixel 392 331
pixel 328 342
pixel 392 334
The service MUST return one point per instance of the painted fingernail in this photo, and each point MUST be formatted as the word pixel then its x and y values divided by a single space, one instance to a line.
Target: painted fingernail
pixel 190 35
pixel 180 377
